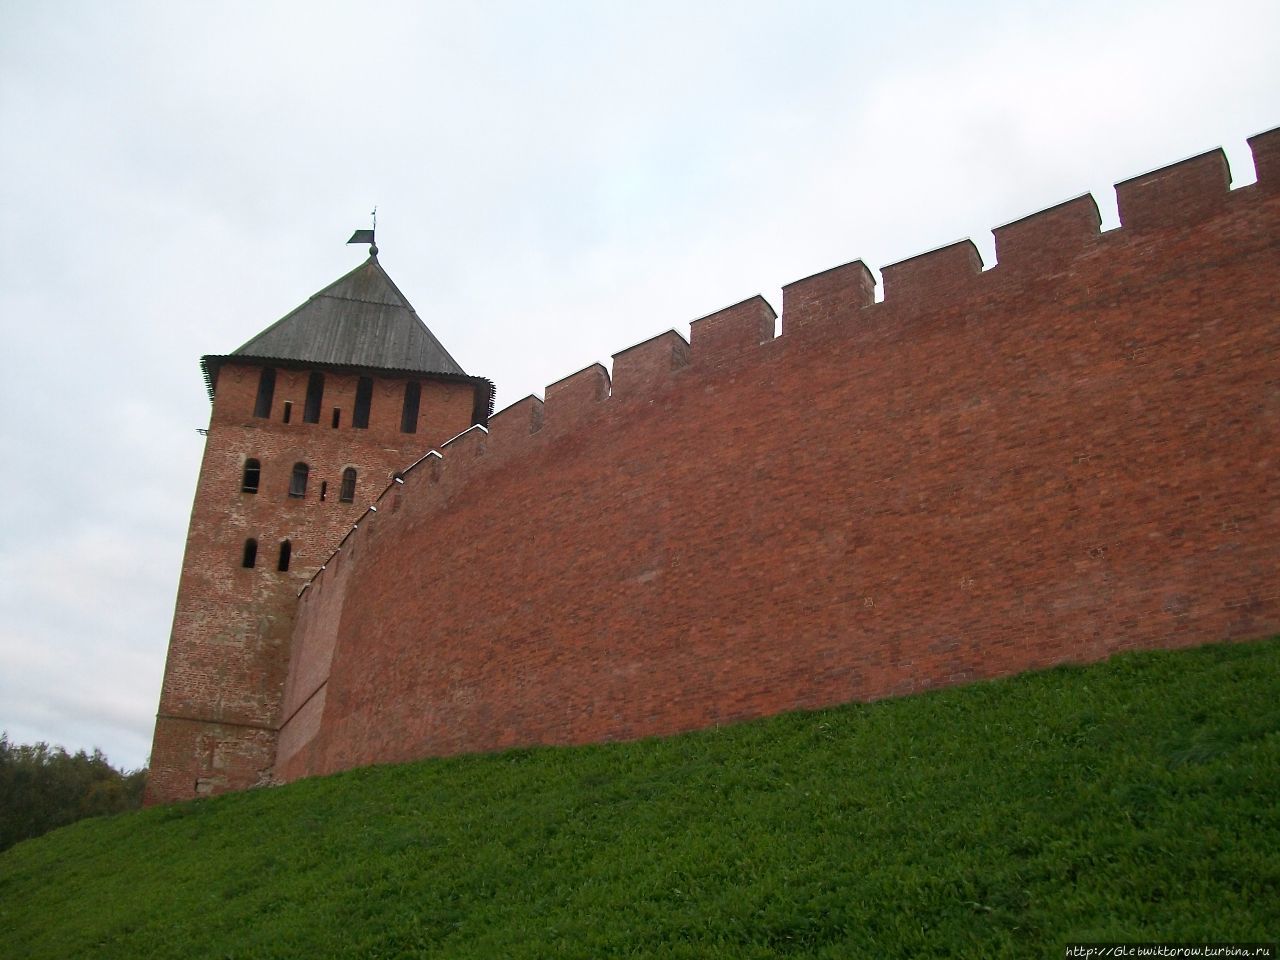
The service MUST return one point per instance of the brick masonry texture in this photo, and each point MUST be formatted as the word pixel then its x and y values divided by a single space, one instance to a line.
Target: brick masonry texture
pixel 1067 455
pixel 223 688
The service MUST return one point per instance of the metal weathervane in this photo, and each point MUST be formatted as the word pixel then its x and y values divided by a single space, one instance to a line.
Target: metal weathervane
pixel 366 236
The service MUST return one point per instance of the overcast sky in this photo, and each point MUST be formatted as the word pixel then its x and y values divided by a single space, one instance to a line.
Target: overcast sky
pixel 555 182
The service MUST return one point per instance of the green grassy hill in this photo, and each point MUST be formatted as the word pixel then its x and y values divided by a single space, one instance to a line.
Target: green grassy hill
pixel 1132 800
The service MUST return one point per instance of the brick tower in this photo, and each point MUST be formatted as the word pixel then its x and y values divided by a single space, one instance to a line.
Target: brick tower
pixel 311 419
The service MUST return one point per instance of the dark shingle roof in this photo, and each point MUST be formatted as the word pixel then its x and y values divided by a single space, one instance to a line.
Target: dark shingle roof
pixel 362 320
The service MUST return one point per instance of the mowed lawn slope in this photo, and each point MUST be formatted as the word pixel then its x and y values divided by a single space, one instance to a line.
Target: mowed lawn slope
pixel 1137 799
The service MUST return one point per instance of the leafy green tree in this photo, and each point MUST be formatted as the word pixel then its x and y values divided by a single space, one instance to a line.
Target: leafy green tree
pixel 43 788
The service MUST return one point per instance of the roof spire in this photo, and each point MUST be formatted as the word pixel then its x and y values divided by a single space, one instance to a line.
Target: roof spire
pixel 366 236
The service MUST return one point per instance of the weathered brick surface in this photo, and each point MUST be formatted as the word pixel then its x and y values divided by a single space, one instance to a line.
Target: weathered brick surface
pixel 986 473
pixel 831 296
pixel 221 702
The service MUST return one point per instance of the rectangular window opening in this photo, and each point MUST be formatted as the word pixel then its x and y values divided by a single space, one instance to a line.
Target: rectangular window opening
pixel 298 480
pixel 364 400
pixel 315 397
pixel 266 392
pixel 412 400
pixel 252 474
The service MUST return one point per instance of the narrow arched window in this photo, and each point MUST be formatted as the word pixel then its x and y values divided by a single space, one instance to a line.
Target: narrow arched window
pixel 364 400
pixel 409 415
pixel 324 490
pixel 286 553
pixel 266 392
pixel 252 472
pixel 250 553
pixel 348 492
pixel 315 397
pixel 298 481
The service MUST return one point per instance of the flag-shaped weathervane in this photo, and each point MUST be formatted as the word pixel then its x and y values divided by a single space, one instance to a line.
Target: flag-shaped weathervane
pixel 366 236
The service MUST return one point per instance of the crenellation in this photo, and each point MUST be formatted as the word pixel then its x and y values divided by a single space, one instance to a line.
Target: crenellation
pixel 432 468
pixel 575 398
pixel 932 280
pixel 641 371
pixel 519 420
pixel 724 335
pixel 1046 239
pixel 1179 195
pixel 834 518
pixel 1266 160
pixel 827 299
pixel 466 446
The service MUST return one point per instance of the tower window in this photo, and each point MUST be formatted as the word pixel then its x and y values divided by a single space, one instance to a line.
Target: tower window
pixel 364 400
pixel 252 472
pixel 348 492
pixel 324 490
pixel 412 398
pixel 286 553
pixel 250 553
pixel 337 417
pixel 315 397
pixel 288 411
pixel 298 481
pixel 266 392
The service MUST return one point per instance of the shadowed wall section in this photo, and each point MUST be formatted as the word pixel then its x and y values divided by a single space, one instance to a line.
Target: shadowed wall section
pixel 1069 454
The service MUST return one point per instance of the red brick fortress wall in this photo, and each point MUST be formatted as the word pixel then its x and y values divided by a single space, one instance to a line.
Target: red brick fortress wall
pixel 1069 454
